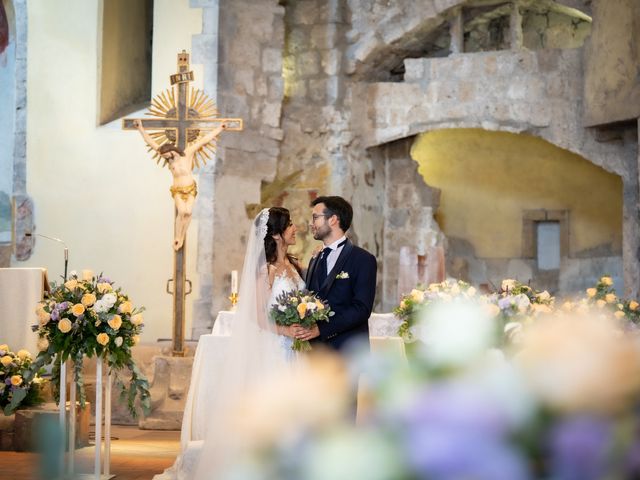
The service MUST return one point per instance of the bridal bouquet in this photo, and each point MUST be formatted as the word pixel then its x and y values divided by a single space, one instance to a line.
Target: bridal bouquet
pixel 90 317
pixel 14 389
pixel 300 307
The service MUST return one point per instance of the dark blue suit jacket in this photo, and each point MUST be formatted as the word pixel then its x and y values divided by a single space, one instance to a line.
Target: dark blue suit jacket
pixel 350 298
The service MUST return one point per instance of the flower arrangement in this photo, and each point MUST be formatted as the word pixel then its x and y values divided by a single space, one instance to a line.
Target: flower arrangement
pixel 562 404
pixel 81 318
pixel 300 307
pixel 412 305
pixel 604 296
pixel 15 390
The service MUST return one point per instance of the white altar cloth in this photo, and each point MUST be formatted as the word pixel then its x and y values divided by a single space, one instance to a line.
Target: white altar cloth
pixel 20 290
pixel 211 350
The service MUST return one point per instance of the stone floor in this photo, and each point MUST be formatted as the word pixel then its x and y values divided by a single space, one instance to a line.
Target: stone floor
pixel 135 455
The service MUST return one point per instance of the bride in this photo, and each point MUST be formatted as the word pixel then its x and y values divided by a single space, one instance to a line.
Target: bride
pixel 257 348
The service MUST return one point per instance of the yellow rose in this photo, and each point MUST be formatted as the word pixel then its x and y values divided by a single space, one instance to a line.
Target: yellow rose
pixel 88 299
pixel 4 347
pixel 16 380
pixel 601 303
pixel 71 284
pixel 43 316
pixel 302 309
pixel 544 295
pixel 23 354
pixel 43 344
pixel 115 322
pixel 619 314
pixel 610 297
pixel 135 339
pixel 104 287
pixel 125 307
pixel 77 309
pixel 606 280
pixel 417 295
pixel 137 319
pixel 591 292
pixel 6 360
pixel 632 306
pixel 102 338
pixel 64 325
pixel 567 306
pixel 320 305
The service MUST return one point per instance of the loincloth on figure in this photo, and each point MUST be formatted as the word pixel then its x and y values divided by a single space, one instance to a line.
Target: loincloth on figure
pixel 185 192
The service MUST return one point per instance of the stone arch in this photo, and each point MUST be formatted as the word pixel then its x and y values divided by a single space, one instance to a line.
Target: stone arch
pixel 410 186
pixel 13 73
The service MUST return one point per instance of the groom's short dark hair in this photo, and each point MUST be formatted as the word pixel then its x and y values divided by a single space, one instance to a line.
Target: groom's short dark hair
pixel 338 206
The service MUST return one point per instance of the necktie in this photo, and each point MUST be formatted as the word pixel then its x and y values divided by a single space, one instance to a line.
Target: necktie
pixel 322 268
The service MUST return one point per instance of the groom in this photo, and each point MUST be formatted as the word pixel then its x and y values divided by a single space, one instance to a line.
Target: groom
pixel 342 274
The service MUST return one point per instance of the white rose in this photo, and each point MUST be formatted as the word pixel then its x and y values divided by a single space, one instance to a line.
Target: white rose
pixel 118 341
pixel 508 284
pixel 110 299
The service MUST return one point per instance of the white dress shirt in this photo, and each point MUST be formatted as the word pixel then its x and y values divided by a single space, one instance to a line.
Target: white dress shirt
pixel 334 253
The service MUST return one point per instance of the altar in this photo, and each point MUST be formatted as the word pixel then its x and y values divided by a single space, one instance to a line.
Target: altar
pixel 212 349
pixel 20 291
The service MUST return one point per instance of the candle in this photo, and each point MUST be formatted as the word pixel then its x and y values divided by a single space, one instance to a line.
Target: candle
pixel 87 275
pixel 234 281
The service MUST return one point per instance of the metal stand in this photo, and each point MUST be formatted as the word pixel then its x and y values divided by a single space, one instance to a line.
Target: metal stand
pixel 100 469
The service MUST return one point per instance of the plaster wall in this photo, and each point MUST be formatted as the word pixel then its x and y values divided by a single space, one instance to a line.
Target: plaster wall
pixel 95 187
pixel 489 179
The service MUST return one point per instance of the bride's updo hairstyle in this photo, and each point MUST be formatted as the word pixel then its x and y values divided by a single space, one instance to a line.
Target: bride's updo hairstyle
pixel 279 221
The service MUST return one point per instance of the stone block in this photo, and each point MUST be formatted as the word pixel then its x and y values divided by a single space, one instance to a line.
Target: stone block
pixel 275 88
pixel 271 114
pixel 272 60
pixel 414 70
pixel 28 422
pixel 243 81
pixel 309 12
pixel 330 61
pixel 169 387
pixel 318 90
pixel 308 63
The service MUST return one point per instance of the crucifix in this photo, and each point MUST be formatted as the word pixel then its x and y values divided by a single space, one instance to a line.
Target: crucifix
pixel 183 134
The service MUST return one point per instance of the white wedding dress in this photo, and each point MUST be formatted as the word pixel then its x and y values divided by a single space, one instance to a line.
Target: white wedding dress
pixel 285 283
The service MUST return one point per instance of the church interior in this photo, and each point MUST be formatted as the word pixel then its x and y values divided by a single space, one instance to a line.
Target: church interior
pixel 490 152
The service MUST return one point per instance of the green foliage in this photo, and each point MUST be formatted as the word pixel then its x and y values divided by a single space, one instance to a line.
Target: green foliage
pixel 86 318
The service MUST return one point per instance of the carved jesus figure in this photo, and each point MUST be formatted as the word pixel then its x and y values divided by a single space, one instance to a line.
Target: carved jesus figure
pixel 184 188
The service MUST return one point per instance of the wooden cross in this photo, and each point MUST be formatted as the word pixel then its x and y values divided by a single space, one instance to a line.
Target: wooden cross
pixel 181 123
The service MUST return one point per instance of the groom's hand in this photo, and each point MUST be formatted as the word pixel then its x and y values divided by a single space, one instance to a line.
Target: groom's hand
pixel 302 333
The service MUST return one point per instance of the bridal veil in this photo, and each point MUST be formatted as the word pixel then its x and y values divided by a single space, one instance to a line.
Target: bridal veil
pixel 253 355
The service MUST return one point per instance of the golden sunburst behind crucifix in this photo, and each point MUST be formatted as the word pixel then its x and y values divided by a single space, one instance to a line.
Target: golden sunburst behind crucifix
pixel 199 107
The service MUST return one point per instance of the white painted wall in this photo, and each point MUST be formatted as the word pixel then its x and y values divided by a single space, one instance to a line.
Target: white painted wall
pixel 93 186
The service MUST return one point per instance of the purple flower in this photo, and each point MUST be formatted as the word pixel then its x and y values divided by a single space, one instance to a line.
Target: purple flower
pixel 8 381
pixel 580 447
pixel 104 279
pixel 456 431
pixel 505 303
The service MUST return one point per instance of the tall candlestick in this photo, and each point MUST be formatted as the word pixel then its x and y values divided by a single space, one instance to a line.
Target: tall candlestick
pixel 234 281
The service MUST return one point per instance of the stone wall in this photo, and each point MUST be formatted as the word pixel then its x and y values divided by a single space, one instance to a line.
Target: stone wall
pixel 612 86
pixel 250 86
pixel 333 92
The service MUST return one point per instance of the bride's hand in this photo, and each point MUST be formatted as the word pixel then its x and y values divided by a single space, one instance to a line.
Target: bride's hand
pixel 287 331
